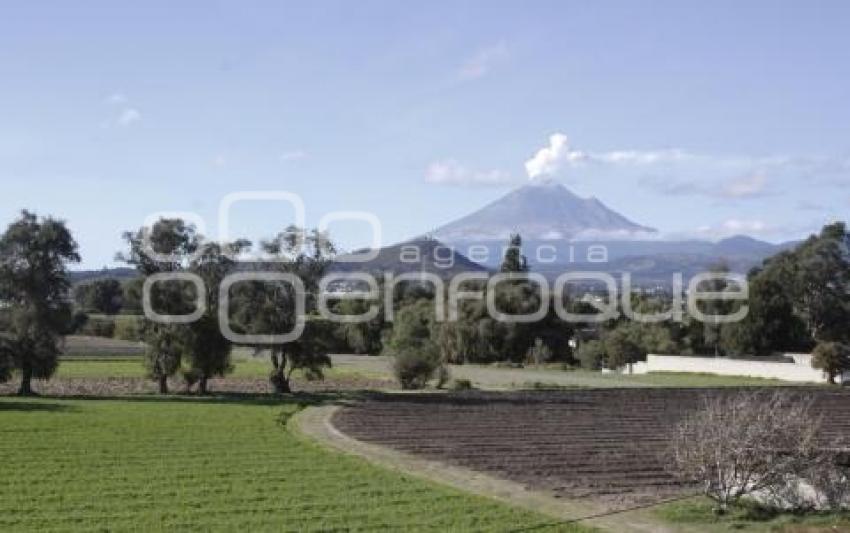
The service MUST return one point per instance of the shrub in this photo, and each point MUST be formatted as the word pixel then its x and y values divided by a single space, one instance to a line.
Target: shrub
pixel 414 368
pixel 623 345
pixel 831 357
pixel 830 480
pixel 591 354
pixel 462 384
pixel 745 443
pixel 538 353
pixel 78 320
pixel 128 328
pixel 823 484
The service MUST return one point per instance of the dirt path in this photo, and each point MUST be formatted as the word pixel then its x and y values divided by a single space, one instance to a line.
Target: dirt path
pixel 315 422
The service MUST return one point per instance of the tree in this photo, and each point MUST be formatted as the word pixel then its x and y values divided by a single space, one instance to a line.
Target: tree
pixel 173 242
pixel 591 354
pixel 206 348
pixel 713 329
pixel 625 343
pixel 132 296
pixel 361 337
pixel 264 308
pixel 477 337
pixel 101 295
pixel 797 298
pixel 514 261
pixel 34 283
pixel 831 357
pixel 745 442
pixel 821 285
pixel 416 357
pixel 7 362
pixel 539 353
pixel 771 324
pixel 622 346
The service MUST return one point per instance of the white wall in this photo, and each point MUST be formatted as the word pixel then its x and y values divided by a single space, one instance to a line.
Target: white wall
pixel 800 370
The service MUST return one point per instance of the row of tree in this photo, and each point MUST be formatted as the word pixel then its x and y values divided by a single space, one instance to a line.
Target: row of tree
pixel 797 299
pixel 200 350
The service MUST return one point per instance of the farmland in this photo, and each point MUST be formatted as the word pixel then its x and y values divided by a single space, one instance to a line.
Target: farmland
pixel 602 446
pixel 100 452
pixel 145 463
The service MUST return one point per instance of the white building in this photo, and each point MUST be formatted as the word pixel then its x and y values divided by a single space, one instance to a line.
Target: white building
pixel 790 367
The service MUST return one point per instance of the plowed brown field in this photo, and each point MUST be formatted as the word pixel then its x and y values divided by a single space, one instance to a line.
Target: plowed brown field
pixel 607 445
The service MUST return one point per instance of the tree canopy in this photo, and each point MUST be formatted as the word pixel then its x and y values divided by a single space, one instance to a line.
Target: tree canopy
pixel 34 285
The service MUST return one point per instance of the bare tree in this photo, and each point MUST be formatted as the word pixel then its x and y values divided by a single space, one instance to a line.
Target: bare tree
pixel 745 442
pixel 829 477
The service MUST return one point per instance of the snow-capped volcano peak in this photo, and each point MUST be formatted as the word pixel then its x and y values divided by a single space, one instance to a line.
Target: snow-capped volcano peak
pixel 542 209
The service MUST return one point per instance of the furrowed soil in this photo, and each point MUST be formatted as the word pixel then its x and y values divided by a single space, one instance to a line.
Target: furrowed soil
pixel 605 446
pixel 120 386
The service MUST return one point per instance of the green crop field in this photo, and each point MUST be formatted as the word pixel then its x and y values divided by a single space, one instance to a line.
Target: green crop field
pixel 124 366
pixel 146 463
pixel 132 367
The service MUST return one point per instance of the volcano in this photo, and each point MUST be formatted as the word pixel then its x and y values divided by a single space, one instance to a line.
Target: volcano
pixel 542 211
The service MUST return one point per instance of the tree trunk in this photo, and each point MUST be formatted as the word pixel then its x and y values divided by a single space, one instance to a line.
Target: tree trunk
pixel 163 384
pixel 279 381
pixel 202 385
pixel 26 380
pixel 278 377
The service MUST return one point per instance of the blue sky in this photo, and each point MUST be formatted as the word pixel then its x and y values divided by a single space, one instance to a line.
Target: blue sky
pixel 698 118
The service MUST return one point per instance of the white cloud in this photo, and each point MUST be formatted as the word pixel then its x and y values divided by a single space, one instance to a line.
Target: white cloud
pixel 639 157
pixel 550 159
pixel 116 99
pixel 293 155
pixel 219 160
pixel 129 116
pixel 450 172
pixel 745 187
pixel 123 114
pixel 482 61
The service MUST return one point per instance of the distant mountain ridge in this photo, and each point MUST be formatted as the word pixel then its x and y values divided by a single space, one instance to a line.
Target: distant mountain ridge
pixel 561 232
pixel 84 276
pixel 417 255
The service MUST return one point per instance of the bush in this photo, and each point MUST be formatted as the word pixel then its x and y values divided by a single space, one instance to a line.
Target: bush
pixel 745 443
pixel 538 353
pixel 830 479
pixel 591 354
pixel 462 384
pixel 831 357
pixel 78 320
pixel 413 369
pixel 98 327
pixel 128 328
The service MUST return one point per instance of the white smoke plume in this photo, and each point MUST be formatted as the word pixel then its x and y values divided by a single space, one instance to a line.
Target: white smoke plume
pixel 549 159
